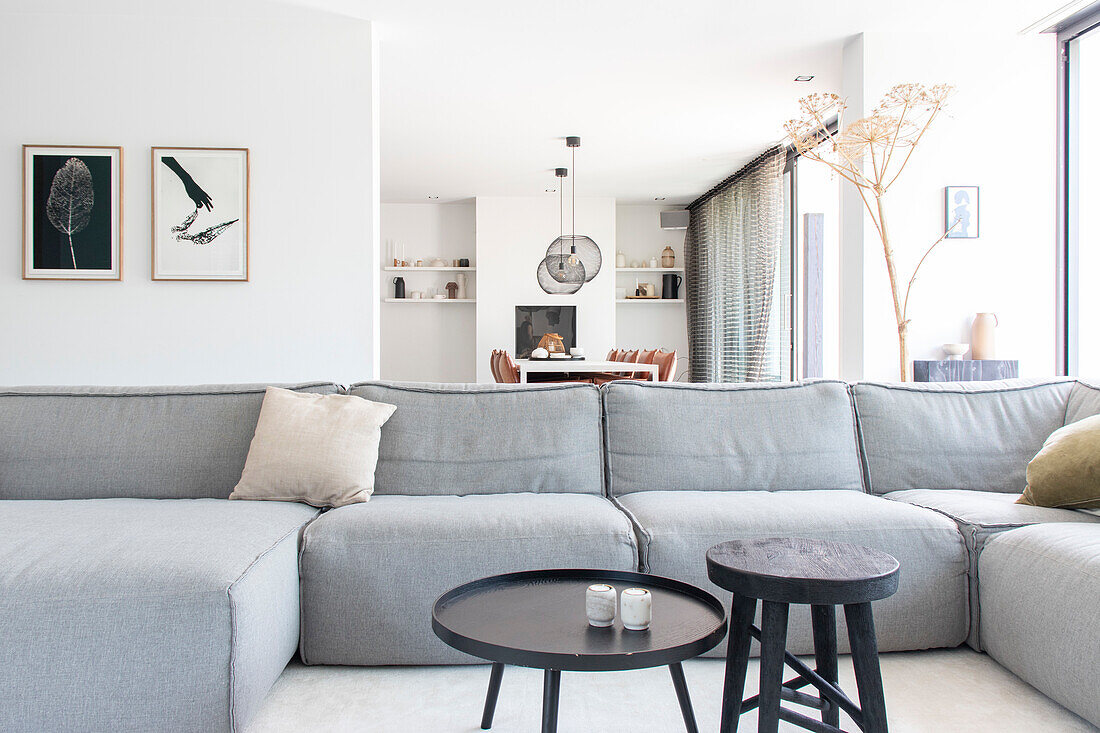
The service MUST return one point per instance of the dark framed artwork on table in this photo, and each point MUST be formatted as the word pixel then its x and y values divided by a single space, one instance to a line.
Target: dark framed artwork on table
pixel 72 212
pixel 200 214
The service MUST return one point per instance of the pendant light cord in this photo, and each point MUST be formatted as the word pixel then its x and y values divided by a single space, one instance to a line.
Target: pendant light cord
pixel 573 237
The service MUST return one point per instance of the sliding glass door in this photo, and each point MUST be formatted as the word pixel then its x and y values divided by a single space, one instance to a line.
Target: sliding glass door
pixel 1080 189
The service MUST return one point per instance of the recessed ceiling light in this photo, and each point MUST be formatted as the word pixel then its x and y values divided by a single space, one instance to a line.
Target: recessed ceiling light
pixel 551 190
pixel 658 198
pixel 804 77
pixel 433 197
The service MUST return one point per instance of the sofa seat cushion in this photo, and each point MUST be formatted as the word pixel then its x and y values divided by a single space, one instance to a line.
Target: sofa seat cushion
pixel 930 607
pixel 981 515
pixel 142 614
pixel 1039 588
pixel 371 572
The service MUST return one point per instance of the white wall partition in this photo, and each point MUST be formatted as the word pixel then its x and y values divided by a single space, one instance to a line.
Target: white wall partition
pixel 428 341
pixel 293 85
pixel 999 134
pixel 512 236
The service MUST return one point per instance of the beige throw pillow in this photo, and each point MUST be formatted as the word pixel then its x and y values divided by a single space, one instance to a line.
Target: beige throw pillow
pixel 319 449
pixel 1066 472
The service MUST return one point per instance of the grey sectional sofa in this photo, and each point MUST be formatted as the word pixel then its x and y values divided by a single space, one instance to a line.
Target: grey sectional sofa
pixel 136 597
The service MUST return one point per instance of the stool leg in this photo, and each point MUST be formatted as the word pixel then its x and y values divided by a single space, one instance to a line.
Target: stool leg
pixel 737 661
pixel 861 635
pixel 824 624
pixel 773 642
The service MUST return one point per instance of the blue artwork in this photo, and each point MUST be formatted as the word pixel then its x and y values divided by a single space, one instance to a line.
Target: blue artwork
pixel 961 212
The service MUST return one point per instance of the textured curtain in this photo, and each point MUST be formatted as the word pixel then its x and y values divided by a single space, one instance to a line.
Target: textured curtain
pixel 733 247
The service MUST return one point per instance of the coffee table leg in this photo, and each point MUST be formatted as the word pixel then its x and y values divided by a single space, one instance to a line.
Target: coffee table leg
pixel 551 686
pixel 491 696
pixel 737 661
pixel 824 624
pixel 773 642
pixel 680 684
pixel 861 636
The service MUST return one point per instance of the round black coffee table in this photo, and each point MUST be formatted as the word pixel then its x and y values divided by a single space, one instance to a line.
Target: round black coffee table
pixel 780 571
pixel 537 619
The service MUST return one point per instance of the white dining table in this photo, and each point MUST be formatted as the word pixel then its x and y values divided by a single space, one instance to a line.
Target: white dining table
pixel 579 366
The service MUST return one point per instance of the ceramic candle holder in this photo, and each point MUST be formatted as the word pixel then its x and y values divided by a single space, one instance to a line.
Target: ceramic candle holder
pixel 637 609
pixel 599 604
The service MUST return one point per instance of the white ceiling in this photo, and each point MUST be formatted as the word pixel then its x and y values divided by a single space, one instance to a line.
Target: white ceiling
pixel 668 97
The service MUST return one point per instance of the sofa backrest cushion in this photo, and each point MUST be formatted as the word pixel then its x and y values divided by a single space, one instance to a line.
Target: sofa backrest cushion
pixel 1084 401
pixel 966 435
pixel 454 439
pixel 136 442
pixel 727 437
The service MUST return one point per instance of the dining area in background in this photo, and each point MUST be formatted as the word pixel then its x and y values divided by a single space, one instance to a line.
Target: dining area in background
pixel 646 365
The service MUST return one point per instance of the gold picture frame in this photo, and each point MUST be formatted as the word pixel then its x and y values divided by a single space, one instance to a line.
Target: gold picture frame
pixel 72 202
pixel 200 214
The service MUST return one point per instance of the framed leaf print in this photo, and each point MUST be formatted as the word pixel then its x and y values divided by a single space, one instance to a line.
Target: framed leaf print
pixel 200 213
pixel 72 212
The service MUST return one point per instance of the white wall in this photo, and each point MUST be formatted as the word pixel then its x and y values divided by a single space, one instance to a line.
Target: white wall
pixel 649 325
pixel 293 85
pixel 999 134
pixel 428 342
pixel 512 236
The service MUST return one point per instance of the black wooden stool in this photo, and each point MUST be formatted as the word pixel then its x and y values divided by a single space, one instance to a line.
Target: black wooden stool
pixel 782 571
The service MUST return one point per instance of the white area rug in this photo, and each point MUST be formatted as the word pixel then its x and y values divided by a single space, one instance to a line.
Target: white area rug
pixel 933 691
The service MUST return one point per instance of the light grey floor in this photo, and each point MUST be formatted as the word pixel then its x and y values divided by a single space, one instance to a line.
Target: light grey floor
pixel 942 690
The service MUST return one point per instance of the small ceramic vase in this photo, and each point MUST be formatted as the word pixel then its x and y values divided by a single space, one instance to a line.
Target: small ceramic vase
pixel 461 280
pixel 599 605
pixel 637 609
pixel 983 337
pixel 668 257
pixel 620 259
pixel 653 262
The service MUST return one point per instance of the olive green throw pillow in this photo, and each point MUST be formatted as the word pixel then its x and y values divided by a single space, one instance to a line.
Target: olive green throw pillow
pixel 1066 472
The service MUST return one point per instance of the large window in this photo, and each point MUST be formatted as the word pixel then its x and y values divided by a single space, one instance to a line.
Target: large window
pixel 1079 307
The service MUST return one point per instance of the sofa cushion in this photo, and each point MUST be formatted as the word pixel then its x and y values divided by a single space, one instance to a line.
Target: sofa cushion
pixel 136 442
pixel 746 437
pixel 1038 588
pixel 930 607
pixel 371 572
pixel 965 435
pixel 139 615
pixel 487 439
pixel 981 515
pixel 1084 401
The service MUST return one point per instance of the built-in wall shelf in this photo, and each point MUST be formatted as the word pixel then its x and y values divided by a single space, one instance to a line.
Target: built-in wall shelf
pixel 429 269
pixel 649 269
pixel 650 300
pixel 431 300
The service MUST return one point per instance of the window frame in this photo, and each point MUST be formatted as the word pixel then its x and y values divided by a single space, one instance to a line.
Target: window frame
pixel 1067 267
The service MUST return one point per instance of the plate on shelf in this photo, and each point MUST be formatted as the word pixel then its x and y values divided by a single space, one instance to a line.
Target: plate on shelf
pixel 643 297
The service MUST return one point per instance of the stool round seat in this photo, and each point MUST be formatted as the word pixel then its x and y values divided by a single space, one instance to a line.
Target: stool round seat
pixel 800 570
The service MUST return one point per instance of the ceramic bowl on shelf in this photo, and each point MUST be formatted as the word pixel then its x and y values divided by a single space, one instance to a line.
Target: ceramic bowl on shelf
pixel 539 353
pixel 576 351
pixel 955 351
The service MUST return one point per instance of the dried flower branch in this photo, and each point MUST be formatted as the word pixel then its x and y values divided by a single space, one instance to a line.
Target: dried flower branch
pixel 870 153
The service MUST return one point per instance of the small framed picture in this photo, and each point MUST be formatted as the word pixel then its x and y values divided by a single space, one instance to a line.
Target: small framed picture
pixel 72 212
pixel 961 212
pixel 200 214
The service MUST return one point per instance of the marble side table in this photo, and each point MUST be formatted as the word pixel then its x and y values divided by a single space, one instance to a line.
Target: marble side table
pixel 965 370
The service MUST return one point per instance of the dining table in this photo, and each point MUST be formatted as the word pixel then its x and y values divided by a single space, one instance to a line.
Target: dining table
pixel 582 366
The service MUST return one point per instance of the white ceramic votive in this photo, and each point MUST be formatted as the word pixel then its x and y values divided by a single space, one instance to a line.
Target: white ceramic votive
pixel 577 351
pixel 599 604
pixel 636 609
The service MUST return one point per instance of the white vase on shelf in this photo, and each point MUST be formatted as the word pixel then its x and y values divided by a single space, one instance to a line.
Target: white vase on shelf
pixel 620 259
pixel 461 280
